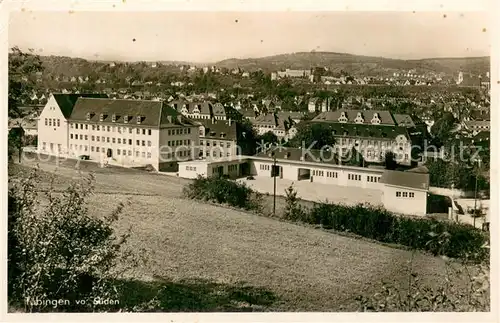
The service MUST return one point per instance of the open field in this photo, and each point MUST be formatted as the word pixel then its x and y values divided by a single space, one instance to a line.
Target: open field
pixel 209 258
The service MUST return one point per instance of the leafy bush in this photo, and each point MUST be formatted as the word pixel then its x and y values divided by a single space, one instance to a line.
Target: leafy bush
pixel 57 251
pixel 293 210
pixel 445 297
pixel 223 191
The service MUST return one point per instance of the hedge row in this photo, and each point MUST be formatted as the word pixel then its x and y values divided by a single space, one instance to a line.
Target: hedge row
pixel 440 238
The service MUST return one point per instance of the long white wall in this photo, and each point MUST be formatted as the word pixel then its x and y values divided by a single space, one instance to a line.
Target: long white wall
pixel 359 177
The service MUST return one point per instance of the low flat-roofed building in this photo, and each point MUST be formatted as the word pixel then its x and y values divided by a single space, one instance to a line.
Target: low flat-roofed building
pixel 402 192
pixel 405 192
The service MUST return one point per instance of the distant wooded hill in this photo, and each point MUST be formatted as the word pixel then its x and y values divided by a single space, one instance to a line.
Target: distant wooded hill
pixel 336 62
pixel 363 65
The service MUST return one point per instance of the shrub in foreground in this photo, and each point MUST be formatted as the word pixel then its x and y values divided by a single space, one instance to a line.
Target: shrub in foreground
pixel 58 251
pixel 223 191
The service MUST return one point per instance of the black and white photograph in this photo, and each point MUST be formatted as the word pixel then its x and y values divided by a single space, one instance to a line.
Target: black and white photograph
pixel 248 161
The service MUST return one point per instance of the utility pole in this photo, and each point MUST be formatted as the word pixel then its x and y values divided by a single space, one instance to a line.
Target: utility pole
pixel 274 191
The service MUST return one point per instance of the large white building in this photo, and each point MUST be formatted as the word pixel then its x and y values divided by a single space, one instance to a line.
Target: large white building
pixel 53 127
pixel 402 192
pixel 372 133
pixel 130 133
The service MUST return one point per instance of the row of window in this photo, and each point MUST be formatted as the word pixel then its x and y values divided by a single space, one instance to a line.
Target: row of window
pixel 111 140
pixel 44 146
pixel 354 177
pixel 52 122
pixel 317 173
pixel 191 168
pixel 265 167
pixel 179 142
pixel 214 153
pixel 352 141
pixel 214 143
pixel 373 179
pixel 182 153
pixel 138 131
pixel 119 152
pixel 405 194
pixel 232 168
pixel 179 131
pixel 332 174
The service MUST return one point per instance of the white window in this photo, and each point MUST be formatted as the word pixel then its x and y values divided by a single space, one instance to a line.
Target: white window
pixel 398 194
pixel 412 194
pixel 405 194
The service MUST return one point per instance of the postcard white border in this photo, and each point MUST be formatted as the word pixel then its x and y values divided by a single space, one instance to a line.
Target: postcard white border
pixel 261 5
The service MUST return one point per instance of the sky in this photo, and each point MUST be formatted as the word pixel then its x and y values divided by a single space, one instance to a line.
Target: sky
pixel 212 36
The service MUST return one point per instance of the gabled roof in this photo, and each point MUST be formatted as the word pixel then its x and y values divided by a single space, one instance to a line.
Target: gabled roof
pixel 277 120
pixel 214 129
pixel 153 113
pixel 333 116
pixel 403 120
pixel 66 102
pixel 406 179
pixel 366 130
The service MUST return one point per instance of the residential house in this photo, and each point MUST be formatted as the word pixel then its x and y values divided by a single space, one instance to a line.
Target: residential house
pixel 218 138
pixel 282 124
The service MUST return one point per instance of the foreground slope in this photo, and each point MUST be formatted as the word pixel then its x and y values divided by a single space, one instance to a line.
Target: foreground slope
pixel 305 269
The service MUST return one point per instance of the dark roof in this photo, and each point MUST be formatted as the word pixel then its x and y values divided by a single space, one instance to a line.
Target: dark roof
pixel 288 153
pixel 406 179
pixel 153 113
pixel 367 130
pixel 214 129
pixel 203 107
pixel 403 120
pixel 66 102
pixel 277 120
pixel 385 117
pixel 481 136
